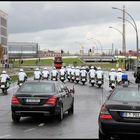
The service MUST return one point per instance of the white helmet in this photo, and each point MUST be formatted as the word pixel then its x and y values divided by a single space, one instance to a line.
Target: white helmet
pixel 92 67
pixel 99 68
pixel 83 68
pixel 3 72
pixel 119 70
pixel 37 69
pixel 112 69
pixel 45 68
pixel 72 67
pixel 62 67
pixel 77 67
pixel 21 70
pixel 54 68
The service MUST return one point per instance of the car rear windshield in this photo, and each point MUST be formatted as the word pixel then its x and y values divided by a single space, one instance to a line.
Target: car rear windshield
pixel 37 88
pixel 131 95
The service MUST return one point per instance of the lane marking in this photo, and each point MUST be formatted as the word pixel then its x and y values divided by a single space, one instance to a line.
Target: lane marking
pixel 29 130
pixel 5 136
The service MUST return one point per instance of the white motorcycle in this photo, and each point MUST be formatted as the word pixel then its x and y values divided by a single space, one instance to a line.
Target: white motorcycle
pixel 92 80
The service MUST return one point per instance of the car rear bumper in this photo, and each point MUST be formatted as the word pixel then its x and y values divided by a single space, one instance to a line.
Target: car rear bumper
pixel 112 127
pixel 35 110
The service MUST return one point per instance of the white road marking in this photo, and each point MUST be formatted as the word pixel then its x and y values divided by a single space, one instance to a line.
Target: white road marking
pixel 29 130
pixel 41 124
pixel 5 136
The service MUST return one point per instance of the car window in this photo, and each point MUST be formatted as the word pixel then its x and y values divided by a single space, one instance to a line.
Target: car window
pixel 37 88
pixel 126 95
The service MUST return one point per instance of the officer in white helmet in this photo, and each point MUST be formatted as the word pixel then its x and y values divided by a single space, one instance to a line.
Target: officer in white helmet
pixel 45 73
pixel 119 76
pixel 37 74
pixel 92 72
pixel 112 75
pixel 62 71
pixel 5 78
pixel 83 72
pixel 22 76
pixel 77 71
pixel 99 74
pixel 68 70
pixel 54 74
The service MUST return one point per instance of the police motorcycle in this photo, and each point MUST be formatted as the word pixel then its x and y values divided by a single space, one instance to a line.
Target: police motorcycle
pixel 69 77
pixel 92 80
pixel 54 78
pixel 72 75
pixel 77 78
pixel 83 78
pixel 112 84
pixel 99 80
pixel 5 86
pixel 62 78
pixel 20 83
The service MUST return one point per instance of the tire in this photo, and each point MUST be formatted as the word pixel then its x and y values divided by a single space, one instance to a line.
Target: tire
pixel 15 118
pixel 102 136
pixel 99 86
pixel 61 115
pixel 71 110
pixel 92 84
pixel 77 82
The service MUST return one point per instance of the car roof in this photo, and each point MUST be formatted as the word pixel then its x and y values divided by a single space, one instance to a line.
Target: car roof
pixel 42 81
pixel 135 87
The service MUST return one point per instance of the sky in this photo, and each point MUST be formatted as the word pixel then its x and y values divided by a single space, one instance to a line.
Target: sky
pixel 70 25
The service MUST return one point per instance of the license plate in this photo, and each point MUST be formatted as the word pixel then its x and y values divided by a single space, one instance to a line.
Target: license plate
pixel 77 78
pixel 72 77
pixel 92 81
pixel 69 77
pixel 2 86
pixel 32 100
pixel 53 78
pixel 130 115
pixel 99 82
pixel 113 84
pixel 62 78
pixel 20 84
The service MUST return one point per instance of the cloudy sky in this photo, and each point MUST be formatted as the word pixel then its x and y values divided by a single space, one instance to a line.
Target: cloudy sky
pixel 66 25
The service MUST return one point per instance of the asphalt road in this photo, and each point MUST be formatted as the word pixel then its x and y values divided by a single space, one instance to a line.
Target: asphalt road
pixel 82 124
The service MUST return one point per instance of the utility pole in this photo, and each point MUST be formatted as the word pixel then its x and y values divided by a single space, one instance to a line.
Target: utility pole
pixel 124 42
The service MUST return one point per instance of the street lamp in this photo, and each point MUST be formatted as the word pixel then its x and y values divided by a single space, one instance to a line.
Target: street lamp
pixel 116 29
pixel 135 27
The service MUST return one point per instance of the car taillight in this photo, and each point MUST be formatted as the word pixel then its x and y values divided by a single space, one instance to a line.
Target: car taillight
pixel 104 114
pixel 51 100
pixel 15 101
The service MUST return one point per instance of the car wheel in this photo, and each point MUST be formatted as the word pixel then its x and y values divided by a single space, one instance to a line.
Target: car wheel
pixel 71 110
pixel 61 114
pixel 15 117
pixel 102 136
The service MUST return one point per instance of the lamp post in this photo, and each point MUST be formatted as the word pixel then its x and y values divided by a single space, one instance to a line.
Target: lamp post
pixel 118 31
pixel 137 38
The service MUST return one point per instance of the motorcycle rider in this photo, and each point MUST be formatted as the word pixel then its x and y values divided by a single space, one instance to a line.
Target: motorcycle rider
pixel 68 71
pixel 37 74
pixel 77 74
pixel 45 73
pixel 91 73
pixel 119 76
pixel 62 73
pixel 5 78
pixel 73 73
pixel 99 74
pixel 54 74
pixel 83 74
pixel 112 76
pixel 22 76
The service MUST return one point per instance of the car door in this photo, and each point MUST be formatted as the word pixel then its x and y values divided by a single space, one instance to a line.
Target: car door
pixel 63 96
pixel 69 97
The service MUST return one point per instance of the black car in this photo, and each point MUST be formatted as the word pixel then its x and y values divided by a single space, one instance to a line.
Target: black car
pixel 46 98
pixel 120 114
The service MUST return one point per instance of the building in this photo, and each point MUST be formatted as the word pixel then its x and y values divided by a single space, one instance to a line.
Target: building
pixel 21 50
pixel 3 35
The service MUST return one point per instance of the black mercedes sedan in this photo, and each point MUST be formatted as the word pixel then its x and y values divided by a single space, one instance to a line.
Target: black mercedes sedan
pixel 120 114
pixel 46 98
